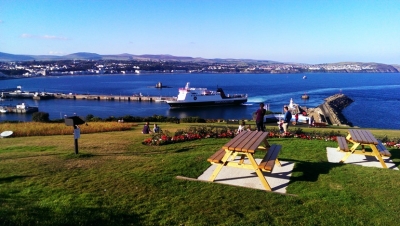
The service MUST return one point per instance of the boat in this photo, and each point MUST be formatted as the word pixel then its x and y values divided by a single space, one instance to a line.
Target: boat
pixel 304 77
pixel 18 93
pixel 305 96
pixel 160 99
pixel 3 110
pixel 159 85
pixel 24 108
pixel 42 96
pixel 198 97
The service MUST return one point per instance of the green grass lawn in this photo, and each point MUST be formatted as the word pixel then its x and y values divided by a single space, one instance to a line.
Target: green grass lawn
pixel 115 180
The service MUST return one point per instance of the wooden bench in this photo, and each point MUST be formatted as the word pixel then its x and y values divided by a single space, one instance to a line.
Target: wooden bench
pixel 382 149
pixel 270 158
pixel 342 144
pixel 217 156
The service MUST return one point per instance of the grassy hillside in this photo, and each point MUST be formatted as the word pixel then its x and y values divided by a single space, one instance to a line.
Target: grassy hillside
pixel 116 180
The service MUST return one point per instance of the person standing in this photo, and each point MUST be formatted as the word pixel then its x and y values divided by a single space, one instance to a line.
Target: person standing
pixel 260 118
pixel 286 119
pixel 311 121
pixel 296 116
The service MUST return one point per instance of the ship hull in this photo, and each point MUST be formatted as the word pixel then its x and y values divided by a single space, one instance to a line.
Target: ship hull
pixel 186 104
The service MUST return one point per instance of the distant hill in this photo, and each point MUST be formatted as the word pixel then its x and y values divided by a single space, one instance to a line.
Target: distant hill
pixel 83 56
pixel 378 67
pixel 397 66
pixel 6 57
pixel 12 57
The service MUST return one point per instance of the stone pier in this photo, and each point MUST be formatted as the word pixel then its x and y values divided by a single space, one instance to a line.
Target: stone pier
pixel 330 111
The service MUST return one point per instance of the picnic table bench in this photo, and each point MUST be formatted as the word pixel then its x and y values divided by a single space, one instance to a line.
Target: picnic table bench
pixel 217 156
pixel 267 163
pixel 343 146
pixel 382 149
pixel 245 145
pixel 271 158
pixel 363 138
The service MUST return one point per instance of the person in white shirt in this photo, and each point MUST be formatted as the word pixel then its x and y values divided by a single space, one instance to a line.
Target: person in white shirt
pixel 242 127
pixel 156 128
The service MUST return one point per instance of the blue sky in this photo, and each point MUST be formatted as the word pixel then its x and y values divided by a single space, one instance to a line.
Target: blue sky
pixel 288 31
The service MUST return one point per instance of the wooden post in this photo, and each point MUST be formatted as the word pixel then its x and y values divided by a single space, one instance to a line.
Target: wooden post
pixel 76 146
pixel 77 135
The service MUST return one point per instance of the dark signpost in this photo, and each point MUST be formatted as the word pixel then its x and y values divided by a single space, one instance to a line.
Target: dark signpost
pixel 75 121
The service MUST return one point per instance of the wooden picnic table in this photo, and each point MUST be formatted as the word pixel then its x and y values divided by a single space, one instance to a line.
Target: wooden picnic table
pixel 245 145
pixel 363 138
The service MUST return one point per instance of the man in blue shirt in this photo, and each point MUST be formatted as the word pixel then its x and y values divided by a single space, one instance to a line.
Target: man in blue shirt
pixel 286 119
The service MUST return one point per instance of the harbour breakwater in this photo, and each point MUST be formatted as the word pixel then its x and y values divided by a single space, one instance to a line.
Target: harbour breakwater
pixel 330 111
pixel 45 96
pixel 112 97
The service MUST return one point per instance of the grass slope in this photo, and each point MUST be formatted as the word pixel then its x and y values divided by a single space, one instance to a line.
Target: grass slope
pixel 115 180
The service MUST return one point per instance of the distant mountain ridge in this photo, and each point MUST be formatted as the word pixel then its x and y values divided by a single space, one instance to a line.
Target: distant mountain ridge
pixel 6 57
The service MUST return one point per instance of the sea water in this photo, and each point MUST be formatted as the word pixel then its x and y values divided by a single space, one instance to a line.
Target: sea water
pixel 376 95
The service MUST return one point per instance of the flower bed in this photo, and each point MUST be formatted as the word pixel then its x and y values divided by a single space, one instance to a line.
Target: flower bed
pixel 203 132
pixel 193 133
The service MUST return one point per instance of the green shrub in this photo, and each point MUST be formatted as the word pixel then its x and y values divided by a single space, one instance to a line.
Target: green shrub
pixel 40 117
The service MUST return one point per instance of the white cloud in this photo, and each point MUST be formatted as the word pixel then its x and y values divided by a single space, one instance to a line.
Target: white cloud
pixel 51 37
pixel 54 37
pixel 27 36
pixel 56 53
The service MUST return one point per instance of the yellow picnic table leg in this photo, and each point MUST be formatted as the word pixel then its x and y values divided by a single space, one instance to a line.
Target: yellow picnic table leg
pixel 215 172
pixel 241 159
pixel 345 156
pixel 378 155
pixel 354 147
pixel 258 172
pixel 267 145
pixel 219 166
pixel 278 162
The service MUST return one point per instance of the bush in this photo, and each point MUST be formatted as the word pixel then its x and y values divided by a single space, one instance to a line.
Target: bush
pixel 193 120
pixel 40 117
pixel 89 117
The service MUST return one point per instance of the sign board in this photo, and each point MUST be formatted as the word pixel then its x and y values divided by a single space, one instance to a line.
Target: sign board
pixel 77 133
pixel 74 120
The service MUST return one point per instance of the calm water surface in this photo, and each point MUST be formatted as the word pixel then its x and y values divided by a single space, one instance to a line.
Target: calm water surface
pixel 376 96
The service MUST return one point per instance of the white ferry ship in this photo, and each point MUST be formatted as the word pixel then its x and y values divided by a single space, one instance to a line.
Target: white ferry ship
pixel 198 97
